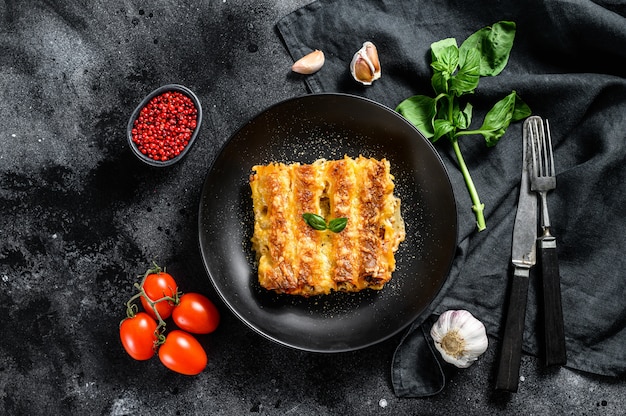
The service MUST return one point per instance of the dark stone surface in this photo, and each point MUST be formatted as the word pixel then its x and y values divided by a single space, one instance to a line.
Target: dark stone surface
pixel 80 219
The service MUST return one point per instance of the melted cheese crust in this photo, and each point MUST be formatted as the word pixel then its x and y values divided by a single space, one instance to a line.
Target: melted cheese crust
pixel 294 258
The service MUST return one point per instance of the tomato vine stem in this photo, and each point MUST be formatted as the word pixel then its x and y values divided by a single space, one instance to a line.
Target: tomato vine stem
pixel 131 306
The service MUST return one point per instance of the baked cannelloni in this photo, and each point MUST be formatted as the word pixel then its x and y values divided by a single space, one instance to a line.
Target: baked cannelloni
pixel 293 257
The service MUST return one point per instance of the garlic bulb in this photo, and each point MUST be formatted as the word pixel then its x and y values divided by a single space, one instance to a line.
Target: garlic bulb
pixel 309 63
pixel 459 337
pixel 365 65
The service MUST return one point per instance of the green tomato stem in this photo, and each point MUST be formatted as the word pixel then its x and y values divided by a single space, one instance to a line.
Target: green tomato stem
pixel 477 206
pixel 152 303
pixel 131 308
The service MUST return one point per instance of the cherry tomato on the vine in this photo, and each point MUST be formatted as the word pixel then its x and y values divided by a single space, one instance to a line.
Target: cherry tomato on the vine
pixel 138 336
pixel 196 313
pixel 182 353
pixel 157 286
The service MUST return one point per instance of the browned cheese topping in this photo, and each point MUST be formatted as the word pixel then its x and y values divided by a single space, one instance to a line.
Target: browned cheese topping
pixel 296 259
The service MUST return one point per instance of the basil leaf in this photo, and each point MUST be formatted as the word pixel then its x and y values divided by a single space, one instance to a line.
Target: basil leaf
pixel 466 79
pixel 442 127
pixel 494 44
pixel 445 55
pixel 464 118
pixel 497 120
pixel 445 59
pixel 461 119
pixel 420 110
pixel 315 221
pixel 521 110
pixel 439 82
pixel 336 225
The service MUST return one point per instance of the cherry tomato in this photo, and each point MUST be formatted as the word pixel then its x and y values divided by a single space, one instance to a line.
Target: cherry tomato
pixel 182 353
pixel 196 313
pixel 157 286
pixel 138 336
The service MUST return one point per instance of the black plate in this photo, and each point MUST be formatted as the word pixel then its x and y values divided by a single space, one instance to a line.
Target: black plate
pixel 302 130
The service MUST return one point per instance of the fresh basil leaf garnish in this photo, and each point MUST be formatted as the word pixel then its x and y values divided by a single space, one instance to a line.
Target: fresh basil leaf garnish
pixel 337 225
pixel 315 221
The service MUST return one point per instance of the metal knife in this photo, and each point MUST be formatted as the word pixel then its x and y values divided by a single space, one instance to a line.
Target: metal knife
pixel 523 257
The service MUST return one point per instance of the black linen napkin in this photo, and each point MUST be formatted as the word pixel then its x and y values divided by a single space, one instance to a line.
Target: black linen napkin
pixel 565 64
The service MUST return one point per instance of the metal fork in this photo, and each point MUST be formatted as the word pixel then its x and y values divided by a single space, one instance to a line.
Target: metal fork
pixel 543 180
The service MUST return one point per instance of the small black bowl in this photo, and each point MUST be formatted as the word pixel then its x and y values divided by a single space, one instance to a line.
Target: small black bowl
pixel 161 90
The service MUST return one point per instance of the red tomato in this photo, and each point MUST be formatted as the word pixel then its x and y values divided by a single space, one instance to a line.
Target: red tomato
pixel 157 286
pixel 196 313
pixel 138 336
pixel 182 353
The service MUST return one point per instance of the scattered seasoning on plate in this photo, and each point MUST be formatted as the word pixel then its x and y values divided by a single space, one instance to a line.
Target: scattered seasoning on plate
pixel 165 125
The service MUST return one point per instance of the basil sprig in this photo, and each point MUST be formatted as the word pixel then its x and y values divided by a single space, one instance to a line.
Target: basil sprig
pixel 456 72
pixel 317 222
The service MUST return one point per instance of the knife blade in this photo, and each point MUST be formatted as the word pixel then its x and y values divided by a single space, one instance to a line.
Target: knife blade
pixel 523 257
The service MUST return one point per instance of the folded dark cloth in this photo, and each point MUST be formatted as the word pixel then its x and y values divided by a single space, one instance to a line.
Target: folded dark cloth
pixel 566 64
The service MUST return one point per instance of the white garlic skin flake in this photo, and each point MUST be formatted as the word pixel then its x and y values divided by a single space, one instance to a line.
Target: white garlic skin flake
pixel 309 63
pixel 459 337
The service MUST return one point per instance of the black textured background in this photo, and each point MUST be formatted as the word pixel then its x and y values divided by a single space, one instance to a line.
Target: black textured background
pixel 80 219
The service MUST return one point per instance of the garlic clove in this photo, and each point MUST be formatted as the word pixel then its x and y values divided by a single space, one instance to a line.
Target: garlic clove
pixel 309 63
pixel 365 65
pixel 459 337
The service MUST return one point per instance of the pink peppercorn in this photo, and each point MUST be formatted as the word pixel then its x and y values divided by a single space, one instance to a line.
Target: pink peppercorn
pixel 165 125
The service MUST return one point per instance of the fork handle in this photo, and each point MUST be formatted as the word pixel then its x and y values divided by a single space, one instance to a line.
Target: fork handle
pixel 511 352
pixel 554 329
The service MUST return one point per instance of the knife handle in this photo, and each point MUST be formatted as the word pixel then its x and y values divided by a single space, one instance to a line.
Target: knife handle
pixel 511 351
pixel 554 329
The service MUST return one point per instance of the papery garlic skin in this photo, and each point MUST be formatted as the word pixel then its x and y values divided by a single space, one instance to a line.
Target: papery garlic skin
pixel 309 63
pixel 365 65
pixel 459 337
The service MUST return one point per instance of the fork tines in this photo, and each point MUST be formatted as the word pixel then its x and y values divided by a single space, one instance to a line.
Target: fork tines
pixel 541 144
